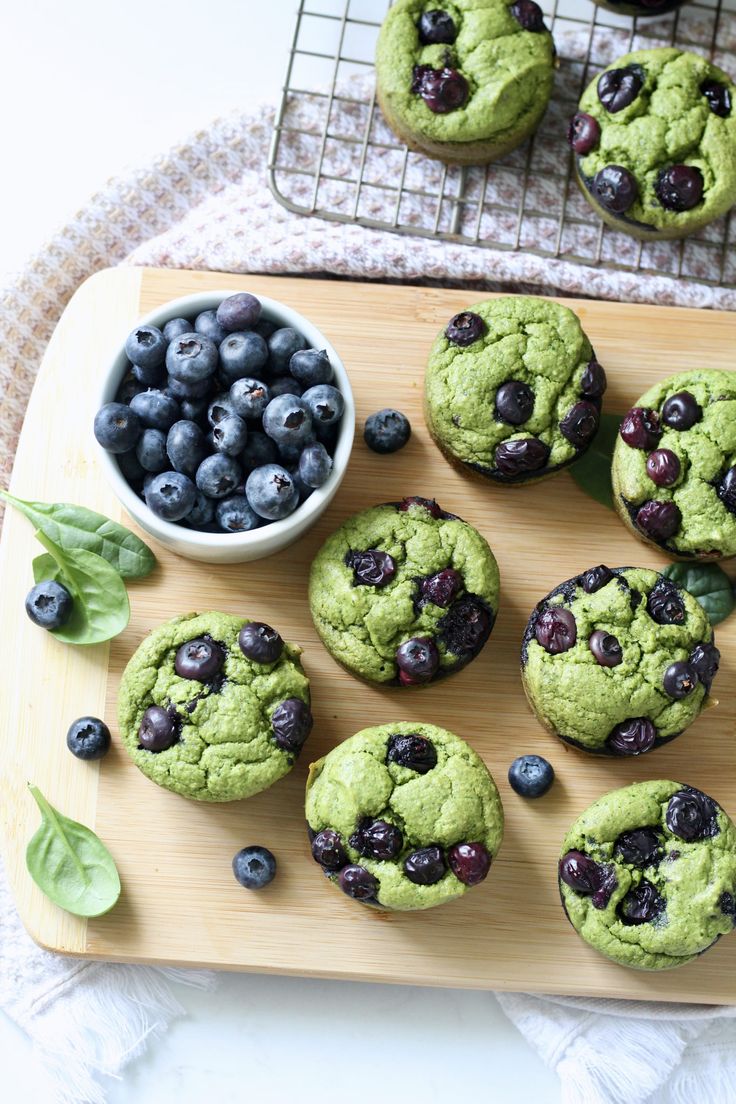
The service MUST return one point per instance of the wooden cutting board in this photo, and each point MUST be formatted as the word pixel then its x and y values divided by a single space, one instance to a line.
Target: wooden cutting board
pixel 180 902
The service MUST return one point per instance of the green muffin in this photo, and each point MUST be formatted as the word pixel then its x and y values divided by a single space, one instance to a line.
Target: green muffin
pixel 618 661
pixel 403 816
pixel 214 707
pixel 466 82
pixel 655 143
pixel 513 390
pixel 404 593
pixel 647 875
pixel 674 465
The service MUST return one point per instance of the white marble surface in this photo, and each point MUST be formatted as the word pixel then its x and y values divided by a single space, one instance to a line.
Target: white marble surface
pixel 89 89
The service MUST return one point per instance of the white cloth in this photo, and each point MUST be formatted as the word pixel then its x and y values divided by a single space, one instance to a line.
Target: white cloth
pixel 206 205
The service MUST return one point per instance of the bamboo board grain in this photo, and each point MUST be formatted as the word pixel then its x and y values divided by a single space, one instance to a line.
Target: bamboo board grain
pixel 180 902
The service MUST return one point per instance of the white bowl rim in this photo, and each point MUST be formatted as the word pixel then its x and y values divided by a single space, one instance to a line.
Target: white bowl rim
pixel 265 536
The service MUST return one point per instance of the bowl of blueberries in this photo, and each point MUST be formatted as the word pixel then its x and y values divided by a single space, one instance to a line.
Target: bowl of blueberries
pixel 226 423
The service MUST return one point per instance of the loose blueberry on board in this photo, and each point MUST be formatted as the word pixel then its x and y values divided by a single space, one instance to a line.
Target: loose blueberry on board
pixel 359 883
pixel 435 27
pixel 88 738
pixel 271 492
pixel 606 648
pixel 514 402
pixel 531 776
pixel 583 133
pixel 171 495
pixel 158 729
pixel 260 643
pixel 615 188
pixel 426 866
pixel 469 862
pixel 291 723
pixel 311 367
pixel 328 850
pixel 443 90
pixel 242 354
pixel 413 752
pixel 234 515
pixel 681 411
pixel 386 430
pixel 199 659
pixel 633 737
pixel 117 428
pixel 254 867
pixel 326 404
pixel 617 88
pixel 146 347
pixel 241 311
pixel 49 605
pixel 680 187
pixel 206 324
pixel 315 465
pixel 556 630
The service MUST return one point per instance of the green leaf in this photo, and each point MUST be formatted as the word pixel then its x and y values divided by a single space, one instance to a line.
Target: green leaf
pixel 101 607
pixel 70 864
pixel 707 582
pixel 72 526
pixel 592 472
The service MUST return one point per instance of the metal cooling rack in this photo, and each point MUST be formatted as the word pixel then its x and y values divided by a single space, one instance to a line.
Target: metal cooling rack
pixel 334 157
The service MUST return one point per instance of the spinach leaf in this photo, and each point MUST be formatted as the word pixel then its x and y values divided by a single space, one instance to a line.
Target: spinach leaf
pixel 70 864
pixel 707 582
pixel 72 526
pixel 101 607
pixel 592 472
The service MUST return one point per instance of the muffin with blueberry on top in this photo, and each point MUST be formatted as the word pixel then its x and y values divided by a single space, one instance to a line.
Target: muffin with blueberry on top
pixel 403 816
pixel 465 81
pixel 513 390
pixel 618 662
pixel 674 465
pixel 655 143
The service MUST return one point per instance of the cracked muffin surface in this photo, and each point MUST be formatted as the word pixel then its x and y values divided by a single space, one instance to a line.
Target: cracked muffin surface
pixel 231 735
pixel 403 816
pixel 647 874
pixel 618 661
pixel 404 593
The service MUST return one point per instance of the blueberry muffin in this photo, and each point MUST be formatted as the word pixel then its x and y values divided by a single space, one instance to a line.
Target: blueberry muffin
pixel 403 816
pixel 214 707
pixel 404 593
pixel 674 465
pixel 647 875
pixel 618 661
pixel 467 81
pixel 513 390
pixel 655 143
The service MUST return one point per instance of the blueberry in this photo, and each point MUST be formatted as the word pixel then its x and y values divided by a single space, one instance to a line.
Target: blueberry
pixel 315 465
pixel 177 327
pixel 529 15
pixel 195 410
pixel 581 873
pixel 218 475
pixel 633 737
pixel 265 327
pixel 556 630
pixel 328 850
pixel 718 97
pixel 260 643
pixel 311 367
pixel 291 722
pixel 242 354
pixel 640 847
pixel 641 905
pixel 359 883
pixel 640 428
pixel 692 815
pixel 514 402
pixel 117 427
pixel 254 867
pixel 417 659
pixel 580 423
pixel 285 385
pixel 526 454
pixel 49 604
pixel 171 495
pixel 371 567
pixel 615 188
pixel 663 467
pixel 239 312
pixel 681 411
pixel 469 862
pixel 202 513
pixel 158 729
pixel 146 347
pixel 706 659
pixel 414 752
pixel 443 90
pixel 195 390
pixel 199 659
pixel 259 450
pixel 426 866
pixel 726 490
pixel 287 420
pixel 436 26
pixel 680 679
pixel 605 648
pixel 220 407
pixel 156 409
pixel 234 515
pixel 271 492
pixel 282 344
pixel 249 397
pixel 465 328
pixel 230 435
pixel 595 578
pixel 442 588
pixel 326 404
pixel 151 450
pixel 466 626
pixel 680 187
pixel 191 357
pixel 665 604
pixel 88 738
pixel 128 388
pixel 658 520
pixel 617 88
pixel 131 467
pixel 377 839
pixel 583 133
pixel 593 382
pixel 148 377
pixel 386 431
pixel 531 775
pixel 206 324
pixel 185 446
pixel 432 507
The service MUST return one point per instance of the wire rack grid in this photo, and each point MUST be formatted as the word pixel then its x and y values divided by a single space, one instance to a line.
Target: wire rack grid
pixel 333 156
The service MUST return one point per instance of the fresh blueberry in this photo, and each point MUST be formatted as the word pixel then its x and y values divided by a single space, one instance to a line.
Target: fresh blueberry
pixel 311 367
pixel 130 467
pixel 328 850
pixel 259 450
pixel 465 328
pixel 220 407
pixel 151 450
pixel 285 385
pixel 249 397
pixel 469 862
pixel 593 382
pixel 206 324
pixel 177 327
pixel 191 357
pixel 271 492
pixel 371 567
pixel 679 187
pixel 615 188
pixel 195 410
pixel 199 659
pixel 241 311
pixel 196 390
pixel 692 815
pixel 525 454
pixel 156 409
pixel 158 729
pixel 315 465
pixel 617 88
pixel 358 883
pixel 556 630
pixel 595 578
pixel 417 660
pixel 636 736
pixel 436 26
pixel 146 347
pixel 242 354
pixel 171 495
pixel 531 775
pixel 706 659
pixel 658 520
pixel 514 402
pixel 291 723
pixel 414 752
pixel 49 605
pixel 681 411
pixel 680 679
pixel 386 431
pixel 218 475
pixel 202 513
pixel 287 420
pixel 443 90
pixel 88 738
pixel 605 648
pixel 185 446
pixel 326 404
pixel 583 133
pixel 230 435
pixel 640 428
pixel 254 867
pixel 426 866
pixel 128 388
pixel 718 97
pixel 117 427
pixel 260 643
pixel 580 423
pixel 234 515
pixel 282 344
pixel 377 839
pixel 265 327
pixel 149 377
